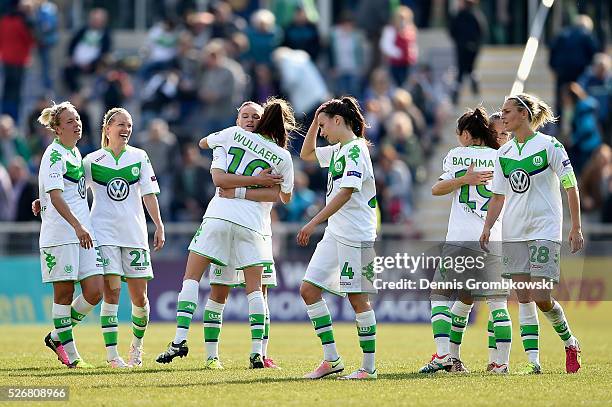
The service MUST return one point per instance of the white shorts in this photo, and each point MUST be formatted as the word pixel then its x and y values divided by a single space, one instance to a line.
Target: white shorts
pixel 126 262
pixel 230 276
pixel 69 262
pixel 225 242
pixel 340 268
pixel 537 258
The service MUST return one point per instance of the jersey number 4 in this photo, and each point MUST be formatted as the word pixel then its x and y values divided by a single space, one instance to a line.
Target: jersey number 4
pixel 464 193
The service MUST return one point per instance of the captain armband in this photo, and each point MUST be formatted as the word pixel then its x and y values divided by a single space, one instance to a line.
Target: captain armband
pixel 569 180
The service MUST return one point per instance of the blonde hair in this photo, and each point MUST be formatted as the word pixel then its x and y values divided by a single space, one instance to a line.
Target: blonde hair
pixel 539 113
pixel 255 105
pixel 50 116
pixel 108 118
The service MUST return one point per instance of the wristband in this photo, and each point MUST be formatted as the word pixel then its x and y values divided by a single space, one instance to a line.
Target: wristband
pixel 240 193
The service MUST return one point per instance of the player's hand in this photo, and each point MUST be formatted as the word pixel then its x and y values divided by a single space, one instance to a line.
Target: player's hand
pixel 484 239
pixel 229 193
pixel 576 240
pixel 266 179
pixel 472 177
pixel 36 207
pixel 303 236
pixel 84 237
pixel 159 239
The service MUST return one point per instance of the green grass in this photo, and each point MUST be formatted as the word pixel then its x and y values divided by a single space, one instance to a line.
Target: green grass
pixel 402 349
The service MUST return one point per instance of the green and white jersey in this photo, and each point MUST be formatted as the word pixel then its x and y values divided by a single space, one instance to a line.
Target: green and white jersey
pixel 470 202
pixel 62 168
pixel 528 175
pixel 247 154
pixel 118 185
pixel 350 166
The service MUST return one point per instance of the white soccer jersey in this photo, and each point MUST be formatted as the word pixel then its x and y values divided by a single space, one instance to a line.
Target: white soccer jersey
pixel 350 166
pixel 61 168
pixel 528 175
pixel 118 185
pixel 470 202
pixel 248 154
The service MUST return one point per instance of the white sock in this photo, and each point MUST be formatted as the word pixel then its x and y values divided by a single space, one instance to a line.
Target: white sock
pixel 213 320
pixel 491 337
pixel 257 316
pixel 556 316
pixel 317 312
pixel 110 329
pixel 63 328
pixel 528 315
pixel 78 310
pixel 189 294
pixel 458 327
pixel 140 321
pixel 503 330
pixel 366 328
pixel 442 342
pixel 264 342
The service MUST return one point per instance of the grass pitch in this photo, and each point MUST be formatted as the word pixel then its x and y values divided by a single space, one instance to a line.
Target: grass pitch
pixel 401 350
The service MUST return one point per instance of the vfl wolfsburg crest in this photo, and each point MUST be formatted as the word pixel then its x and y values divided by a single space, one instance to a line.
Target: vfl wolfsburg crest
pixel 135 171
pixel 538 160
pixel 218 271
pixel 118 189
pixel 519 180
pixel 81 187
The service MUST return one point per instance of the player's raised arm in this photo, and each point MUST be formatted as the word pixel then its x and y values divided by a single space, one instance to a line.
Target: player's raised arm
pixel 310 141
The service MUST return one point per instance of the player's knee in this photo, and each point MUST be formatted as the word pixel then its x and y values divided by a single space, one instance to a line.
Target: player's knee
pixel 523 296
pixel 111 295
pixel 218 295
pixel 359 303
pixel 309 293
pixel 544 305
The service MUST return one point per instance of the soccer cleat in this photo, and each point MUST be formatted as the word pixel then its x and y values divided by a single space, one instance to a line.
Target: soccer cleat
pixel 118 363
pixel 360 374
pixel 80 364
pixel 491 366
pixel 437 363
pixel 57 348
pixel 326 368
pixel 530 368
pixel 255 361
pixel 213 364
pixel 572 358
pixel 269 363
pixel 499 369
pixel 135 356
pixel 174 350
pixel 458 367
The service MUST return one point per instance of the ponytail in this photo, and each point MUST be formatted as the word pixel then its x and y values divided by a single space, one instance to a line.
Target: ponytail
pixel 476 122
pixel 538 112
pixel 50 116
pixel 277 121
pixel 349 109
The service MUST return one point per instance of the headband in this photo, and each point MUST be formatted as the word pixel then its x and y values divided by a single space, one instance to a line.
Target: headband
pixel 522 103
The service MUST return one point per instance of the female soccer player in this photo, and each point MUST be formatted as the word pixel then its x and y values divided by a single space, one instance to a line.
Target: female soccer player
pixel 121 178
pixel 234 230
pixel 467 175
pixel 498 127
pixel 528 171
pixel 342 261
pixel 68 246
pixel 222 279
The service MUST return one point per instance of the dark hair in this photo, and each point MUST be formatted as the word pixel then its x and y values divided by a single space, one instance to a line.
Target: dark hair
pixel 476 123
pixel 349 109
pixel 277 121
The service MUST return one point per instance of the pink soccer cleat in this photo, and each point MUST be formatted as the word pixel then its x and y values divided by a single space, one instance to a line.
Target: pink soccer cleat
pixel 326 368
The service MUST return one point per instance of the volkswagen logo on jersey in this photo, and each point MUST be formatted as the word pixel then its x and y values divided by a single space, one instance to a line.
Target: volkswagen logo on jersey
pixel 519 181
pixel 118 189
pixel 81 187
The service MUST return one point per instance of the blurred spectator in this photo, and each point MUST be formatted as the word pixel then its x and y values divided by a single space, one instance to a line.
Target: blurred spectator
pixel 297 210
pixel 284 10
pixel 378 103
pixel 87 48
pixel 6 190
pixel 16 43
pixel 301 81
pixel 264 84
pixel 24 191
pixel 47 37
pixel 402 102
pixel 264 36
pixel 159 96
pixel 400 135
pixel 225 23
pixel 303 34
pixel 192 186
pixel 90 140
pixel 12 144
pixel 112 84
pixel 394 186
pixel 372 16
pixel 221 88
pixel 347 56
pixel 595 178
pixel 468 29
pixel 160 49
pixel 38 136
pixel 585 137
pixel 198 25
pixel 597 82
pixel 398 44
pixel 571 52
